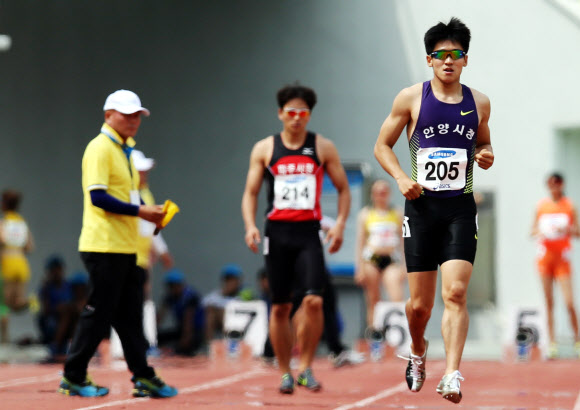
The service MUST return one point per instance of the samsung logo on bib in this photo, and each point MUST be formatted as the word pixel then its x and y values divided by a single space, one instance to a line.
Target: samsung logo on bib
pixel 295 179
pixel 444 153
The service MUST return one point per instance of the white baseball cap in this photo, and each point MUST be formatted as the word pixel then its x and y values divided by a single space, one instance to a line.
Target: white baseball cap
pixel 126 102
pixel 142 163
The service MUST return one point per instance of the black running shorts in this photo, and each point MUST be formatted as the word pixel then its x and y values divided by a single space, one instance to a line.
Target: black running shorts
pixel 436 230
pixel 381 261
pixel 294 259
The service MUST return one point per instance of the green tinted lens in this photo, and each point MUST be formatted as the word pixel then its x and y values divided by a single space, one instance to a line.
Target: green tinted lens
pixel 457 54
pixel 442 54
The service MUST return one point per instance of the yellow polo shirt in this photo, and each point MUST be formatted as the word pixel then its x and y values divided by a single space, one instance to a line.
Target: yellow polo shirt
pixel 105 166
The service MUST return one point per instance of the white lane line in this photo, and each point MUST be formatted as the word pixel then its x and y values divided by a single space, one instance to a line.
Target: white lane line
pixel 45 378
pixel 385 393
pixel 30 380
pixel 577 404
pixel 205 386
pixel 437 368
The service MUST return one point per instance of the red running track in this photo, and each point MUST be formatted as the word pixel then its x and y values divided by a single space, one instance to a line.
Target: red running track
pixel 223 384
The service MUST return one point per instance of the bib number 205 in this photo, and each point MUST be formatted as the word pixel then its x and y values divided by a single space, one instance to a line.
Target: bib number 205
pixel 440 170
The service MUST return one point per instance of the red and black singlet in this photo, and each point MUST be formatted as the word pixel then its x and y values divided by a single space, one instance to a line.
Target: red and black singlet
pixel 294 182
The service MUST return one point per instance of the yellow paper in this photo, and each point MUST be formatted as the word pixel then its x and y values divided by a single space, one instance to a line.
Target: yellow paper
pixel 171 208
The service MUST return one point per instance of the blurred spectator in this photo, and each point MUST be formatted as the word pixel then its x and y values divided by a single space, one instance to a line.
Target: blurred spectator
pixel 214 303
pixel 187 334
pixel 61 302
pixel 15 242
pixel 150 247
pixel 55 294
pixel 555 225
pixel 378 253
pixel 79 288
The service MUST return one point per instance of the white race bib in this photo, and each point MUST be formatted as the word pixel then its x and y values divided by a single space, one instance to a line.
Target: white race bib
pixel 441 169
pixel 15 233
pixel 384 234
pixel 296 191
pixel 554 226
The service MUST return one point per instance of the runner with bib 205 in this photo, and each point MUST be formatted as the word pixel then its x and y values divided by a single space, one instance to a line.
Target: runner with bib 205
pixel 447 130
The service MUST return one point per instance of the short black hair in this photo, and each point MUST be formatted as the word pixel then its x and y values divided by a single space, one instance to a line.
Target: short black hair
pixel 10 200
pixel 558 178
pixel 53 262
pixel 289 92
pixel 455 31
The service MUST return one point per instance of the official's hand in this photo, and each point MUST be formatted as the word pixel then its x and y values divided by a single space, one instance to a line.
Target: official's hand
pixel 409 188
pixel 152 213
pixel 252 238
pixel 484 158
pixel 335 238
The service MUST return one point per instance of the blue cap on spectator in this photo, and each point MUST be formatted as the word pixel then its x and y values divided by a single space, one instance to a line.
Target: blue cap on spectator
pixel 174 276
pixel 79 278
pixel 231 269
pixel 54 261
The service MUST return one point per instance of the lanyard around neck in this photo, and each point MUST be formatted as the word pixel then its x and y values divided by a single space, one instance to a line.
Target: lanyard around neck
pixel 126 149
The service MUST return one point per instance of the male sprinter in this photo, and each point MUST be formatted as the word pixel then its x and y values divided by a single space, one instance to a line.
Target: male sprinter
pixel 108 248
pixel 447 129
pixel 293 163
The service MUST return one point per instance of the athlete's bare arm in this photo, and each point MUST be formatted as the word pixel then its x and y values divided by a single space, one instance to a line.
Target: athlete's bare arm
pixel 258 161
pixel 328 155
pixel 401 116
pixel 483 150
pixel 29 247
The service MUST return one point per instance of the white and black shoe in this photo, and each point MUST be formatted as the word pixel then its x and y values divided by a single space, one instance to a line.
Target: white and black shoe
pixel 415 374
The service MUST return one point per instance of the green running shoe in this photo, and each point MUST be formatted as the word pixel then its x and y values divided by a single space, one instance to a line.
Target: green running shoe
pixel 153 387
pixel 306 379
pixel 287 384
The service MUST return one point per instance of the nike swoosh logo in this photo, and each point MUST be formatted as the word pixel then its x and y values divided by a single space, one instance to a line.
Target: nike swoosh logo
pixel 465 113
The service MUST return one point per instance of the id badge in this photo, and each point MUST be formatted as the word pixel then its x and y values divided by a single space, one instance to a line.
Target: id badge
pixel 135 197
